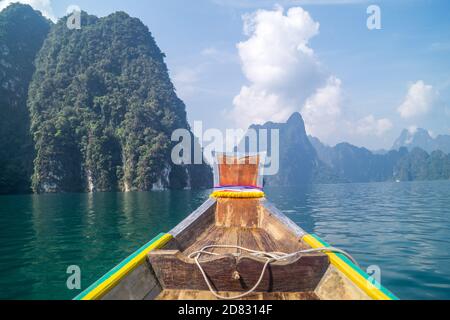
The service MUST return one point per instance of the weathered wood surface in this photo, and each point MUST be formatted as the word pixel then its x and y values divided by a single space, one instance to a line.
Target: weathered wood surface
pixel 175 271
pixel 234 171
pixel 278 218
pixel 243 213
pixel 186 233
pixel 336 286
pixel 254 239
pixel 250 223
pixel 189 295
pixel 140 284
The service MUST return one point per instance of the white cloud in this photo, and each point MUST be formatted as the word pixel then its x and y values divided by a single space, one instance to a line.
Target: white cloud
pixel 372 126
pixel 268 3
pixel 277 52
pixel 418 100
pixel 256 106
pixel 73 8
pixel 280 66
pixel 412 129
pixel 323 109
pixel 323 114
pixel 44 6
pixel 285 76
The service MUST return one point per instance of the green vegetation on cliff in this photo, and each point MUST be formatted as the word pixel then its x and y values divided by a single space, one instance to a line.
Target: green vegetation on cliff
pixel 103 110
pixel 419 165
pixel 22 32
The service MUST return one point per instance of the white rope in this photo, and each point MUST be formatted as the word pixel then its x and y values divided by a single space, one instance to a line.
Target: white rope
pixel 256 255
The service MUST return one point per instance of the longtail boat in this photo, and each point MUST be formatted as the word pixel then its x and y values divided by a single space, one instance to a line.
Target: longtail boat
pixel 237 245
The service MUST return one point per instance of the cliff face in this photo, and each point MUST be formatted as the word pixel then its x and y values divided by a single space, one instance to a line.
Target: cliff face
pixel 421 138
pixel 298 161
pixel 22 32
pixel 419 165
pixel 103 110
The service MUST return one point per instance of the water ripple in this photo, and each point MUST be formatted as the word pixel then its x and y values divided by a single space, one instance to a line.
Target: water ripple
pixel 402 227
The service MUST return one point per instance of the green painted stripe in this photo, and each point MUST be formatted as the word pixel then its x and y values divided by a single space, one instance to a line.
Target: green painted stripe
pixel 358 270
pixel 117 268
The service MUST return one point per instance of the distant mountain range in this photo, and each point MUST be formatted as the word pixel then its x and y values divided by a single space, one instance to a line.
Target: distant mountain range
pixel 421 138
pixel 354 164
pixel 306 160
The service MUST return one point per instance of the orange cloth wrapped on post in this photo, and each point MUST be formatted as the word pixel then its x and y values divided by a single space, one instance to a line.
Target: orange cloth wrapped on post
pixel 238 176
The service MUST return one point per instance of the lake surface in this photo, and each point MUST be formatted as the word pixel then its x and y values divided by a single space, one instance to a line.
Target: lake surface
pixel 404 228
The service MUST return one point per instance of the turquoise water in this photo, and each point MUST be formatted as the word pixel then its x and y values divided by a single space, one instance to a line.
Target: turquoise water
pixel 403 228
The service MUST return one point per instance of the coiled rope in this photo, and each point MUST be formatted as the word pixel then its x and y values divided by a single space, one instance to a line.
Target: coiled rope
pixel 256 255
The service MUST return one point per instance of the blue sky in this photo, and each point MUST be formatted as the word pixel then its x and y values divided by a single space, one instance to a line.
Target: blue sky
pixel 350 83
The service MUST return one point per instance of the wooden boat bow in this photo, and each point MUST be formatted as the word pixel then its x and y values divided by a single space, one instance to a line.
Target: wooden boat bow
pixel 165 269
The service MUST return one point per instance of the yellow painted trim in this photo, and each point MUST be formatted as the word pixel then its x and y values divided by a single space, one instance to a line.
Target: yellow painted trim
pixel 114 279
pixel 362 283
pixel 243 194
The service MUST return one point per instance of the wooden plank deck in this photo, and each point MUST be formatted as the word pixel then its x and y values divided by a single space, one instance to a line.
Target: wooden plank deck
pixel 250 238
pixel 188 295
pixel 247 224
pixel 175 271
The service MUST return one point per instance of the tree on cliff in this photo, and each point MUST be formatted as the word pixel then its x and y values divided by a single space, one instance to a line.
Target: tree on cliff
pixel 22 32
pixel 103 109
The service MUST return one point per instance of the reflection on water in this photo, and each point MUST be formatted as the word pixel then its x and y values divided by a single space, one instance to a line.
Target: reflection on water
pixel 40 236
pixel 402 227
